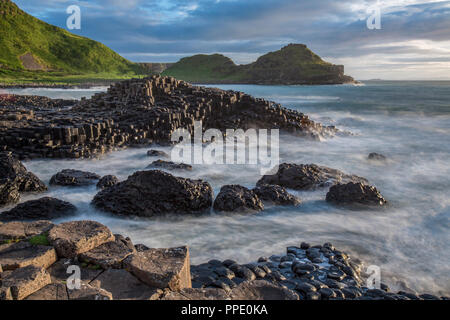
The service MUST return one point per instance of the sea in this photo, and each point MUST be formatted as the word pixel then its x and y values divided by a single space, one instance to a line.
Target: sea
pixel 409 239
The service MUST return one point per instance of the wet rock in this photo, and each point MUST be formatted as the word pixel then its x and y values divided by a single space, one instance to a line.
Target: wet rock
pixel 355 193
pixel 224 272
pixel 43 208
pixel 150 193
pixel 12 170
pixel 157 153
pixel 169 165
pixel 26 281
pixel 327 293
pixel 307 177
pixel 107 255
pixel 22 254
pixel 427 296
pixel 107 181
pixel 376 156
pixel 72 238
pixel 161 268
pixel 233 198
pixel 262 290
pixel 274 194
pixel 88 292
pixel 124 286
pixel 53 291
pixel 74 178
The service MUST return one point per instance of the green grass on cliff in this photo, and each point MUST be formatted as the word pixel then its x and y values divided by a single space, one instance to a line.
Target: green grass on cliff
pixel 63 55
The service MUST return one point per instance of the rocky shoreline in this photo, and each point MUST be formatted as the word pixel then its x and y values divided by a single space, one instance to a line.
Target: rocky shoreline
pixel 37 260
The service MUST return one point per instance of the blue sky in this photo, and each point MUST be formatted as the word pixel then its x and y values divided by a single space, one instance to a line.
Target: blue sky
pixel 413 42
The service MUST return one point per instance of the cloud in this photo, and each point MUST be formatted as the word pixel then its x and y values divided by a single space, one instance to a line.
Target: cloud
pixel 166 30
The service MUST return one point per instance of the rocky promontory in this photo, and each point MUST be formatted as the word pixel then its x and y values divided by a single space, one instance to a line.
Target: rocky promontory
pixel 138 112
pixel 39 261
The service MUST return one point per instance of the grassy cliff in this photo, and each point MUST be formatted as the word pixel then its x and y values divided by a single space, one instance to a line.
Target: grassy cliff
pixel 31 50
pixel 293 64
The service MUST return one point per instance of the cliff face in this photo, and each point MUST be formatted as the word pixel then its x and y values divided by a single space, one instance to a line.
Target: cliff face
pixel 293 64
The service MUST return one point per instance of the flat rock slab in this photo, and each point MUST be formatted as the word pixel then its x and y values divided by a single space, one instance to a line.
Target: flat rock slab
pixel 58 272
pixel 22 254
pixel 43 208
pixel 124 286
pixel 26 281
pixel 88 292
pixel 162 268
pixel 21 230
pixel 261 290
pixel 197 294
pixel 51 292
pixel 72 238
pixel 108 255
pixel 74 178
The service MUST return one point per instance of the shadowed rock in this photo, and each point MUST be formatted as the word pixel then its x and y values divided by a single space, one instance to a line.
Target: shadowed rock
pixel 197 294
pixel 74 178
pixel 150 193
pixel 43 208
pixel 108 255
pixel 124 286
pixel 262 290
pixel 157 153
pixel 376 156
pixel 232 198
pixel 72 238
pixel 307 177
pixel 11 169
pixel 169 165
pixel 162 268
pixel 355 193
pixel 52 292
pixel 9 193
pixel 88 292
pixel 277 195
pixel 107 181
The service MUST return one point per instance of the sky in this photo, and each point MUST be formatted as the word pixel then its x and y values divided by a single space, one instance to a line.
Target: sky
pixel 412 44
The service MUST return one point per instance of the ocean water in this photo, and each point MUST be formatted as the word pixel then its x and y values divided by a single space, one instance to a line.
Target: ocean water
pixel 409 122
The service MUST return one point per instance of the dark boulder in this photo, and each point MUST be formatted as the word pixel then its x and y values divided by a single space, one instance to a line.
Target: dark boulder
pixel 233 198
pixel 307 177
pixel 107 181
pixel 154 192
pixel 376 156
pixel 11 169
pixel 355 193
pixel 75 178
pixel 169 165
pixel 276 195
pixel 44 208
pixel 157 153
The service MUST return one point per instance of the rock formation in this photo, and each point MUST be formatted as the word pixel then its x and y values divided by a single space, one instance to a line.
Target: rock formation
pixel 235 198
pixel 154 192
pixel 355 193
pixel 74 178
pixel 277 195
pixel 139 112
pixel 307 177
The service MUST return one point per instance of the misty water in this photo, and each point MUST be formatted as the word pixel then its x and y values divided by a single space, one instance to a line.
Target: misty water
pixel 409 122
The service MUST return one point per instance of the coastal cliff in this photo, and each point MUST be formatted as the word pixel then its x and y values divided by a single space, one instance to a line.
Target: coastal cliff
pixel 294 64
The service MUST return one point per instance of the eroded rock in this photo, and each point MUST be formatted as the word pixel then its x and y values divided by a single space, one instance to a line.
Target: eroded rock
pixel 72 238
pixel 307 177
pixel 88 292
pixel 197 294
pixel 232 198
pixel 274 194
pixel 157 153
pixel 22 254
pixel 52 292
pixel 150 193
pixel 169 165
pixel 355 193
pixel 108 255
pixel 262 290
pixel 26 281
pixel 43 208
pixel 74 178
pixel 161 268
pixel 107 181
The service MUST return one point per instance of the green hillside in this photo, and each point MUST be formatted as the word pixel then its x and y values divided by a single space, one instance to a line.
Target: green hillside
pixel 31 49
pixel 293 64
